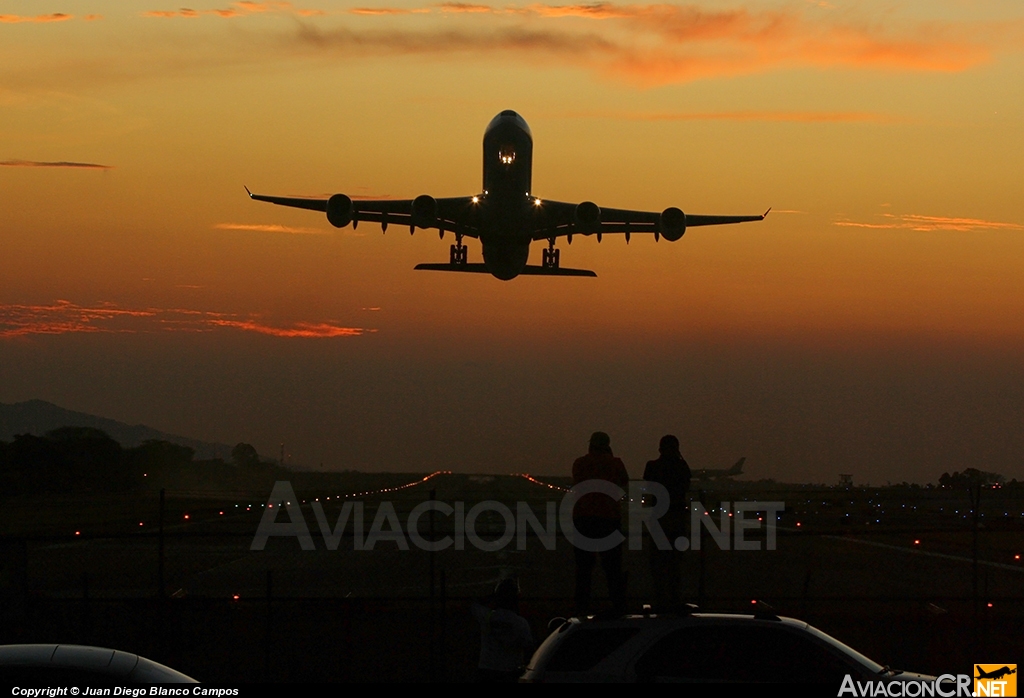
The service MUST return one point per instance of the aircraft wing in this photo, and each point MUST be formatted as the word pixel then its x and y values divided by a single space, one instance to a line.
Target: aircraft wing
pixel 455 214
pixel 556 218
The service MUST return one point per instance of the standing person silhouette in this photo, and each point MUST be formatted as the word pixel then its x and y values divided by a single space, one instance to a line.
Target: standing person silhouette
pixel 671 471
pixel 597 516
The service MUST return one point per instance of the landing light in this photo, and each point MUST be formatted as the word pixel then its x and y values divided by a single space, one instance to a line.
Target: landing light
pixel 536 202
pixel 476 199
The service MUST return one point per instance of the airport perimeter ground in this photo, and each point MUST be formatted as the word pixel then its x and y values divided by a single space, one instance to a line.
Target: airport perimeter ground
pixel 888 570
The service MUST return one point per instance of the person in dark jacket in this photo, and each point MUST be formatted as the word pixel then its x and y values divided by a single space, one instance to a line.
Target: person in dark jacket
pixel 671 471
pixel 598 516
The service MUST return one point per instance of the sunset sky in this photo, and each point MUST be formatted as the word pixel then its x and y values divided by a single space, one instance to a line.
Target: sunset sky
pixel 873 324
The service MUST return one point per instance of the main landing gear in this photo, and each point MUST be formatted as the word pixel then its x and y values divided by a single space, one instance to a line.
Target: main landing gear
pixel 459 253
pixel 549 260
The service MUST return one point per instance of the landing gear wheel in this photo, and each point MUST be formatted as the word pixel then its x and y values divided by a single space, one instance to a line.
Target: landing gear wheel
pixel 550 257
pixel 458 254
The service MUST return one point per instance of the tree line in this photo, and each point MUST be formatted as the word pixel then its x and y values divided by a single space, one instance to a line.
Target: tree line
pixel 73 459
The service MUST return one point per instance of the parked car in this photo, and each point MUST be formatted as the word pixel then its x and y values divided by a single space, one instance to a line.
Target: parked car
pixel 71 664
pixel 700 647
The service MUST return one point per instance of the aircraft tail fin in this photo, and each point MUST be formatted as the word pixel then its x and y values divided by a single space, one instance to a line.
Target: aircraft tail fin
pixel 738 468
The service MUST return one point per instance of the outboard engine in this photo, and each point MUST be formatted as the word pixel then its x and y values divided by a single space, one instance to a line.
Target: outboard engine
pixel 587 217
pixel 672 223
pixel 339 210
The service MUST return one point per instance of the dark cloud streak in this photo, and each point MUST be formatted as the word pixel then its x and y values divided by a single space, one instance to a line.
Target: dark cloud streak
pixel 59 163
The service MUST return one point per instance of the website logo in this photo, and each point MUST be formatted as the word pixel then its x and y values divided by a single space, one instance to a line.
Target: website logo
pixel 995 679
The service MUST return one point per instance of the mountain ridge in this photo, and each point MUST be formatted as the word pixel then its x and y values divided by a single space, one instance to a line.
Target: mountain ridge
pixel 37 417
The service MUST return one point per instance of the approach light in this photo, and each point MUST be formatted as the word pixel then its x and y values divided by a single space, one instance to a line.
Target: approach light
pixel 186 517
pixel 235 597
pixel 797 523
pixel 917 541
pixel 1016 557
pixel 78 533
pixel 140 523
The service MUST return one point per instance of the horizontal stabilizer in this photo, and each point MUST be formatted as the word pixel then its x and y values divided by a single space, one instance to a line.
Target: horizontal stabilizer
pixel 530 270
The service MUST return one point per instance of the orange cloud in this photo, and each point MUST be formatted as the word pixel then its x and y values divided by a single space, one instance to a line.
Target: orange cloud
pixel 464 7
pixel 930 223
pixel 595 10
pixel 17 19
pixel 661 44
pixel 65 317
pixel 387 11
pixel 61 163
pixel 299 329
pixel 241 8
pixel 797 116
pixel 270 228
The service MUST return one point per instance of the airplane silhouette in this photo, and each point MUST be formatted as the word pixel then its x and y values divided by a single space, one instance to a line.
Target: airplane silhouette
pixel 736 469
pixel 995 674
pixel 506 216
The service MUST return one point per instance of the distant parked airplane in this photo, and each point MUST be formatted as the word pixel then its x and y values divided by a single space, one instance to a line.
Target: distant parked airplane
pixel 506 216
pixel 715 474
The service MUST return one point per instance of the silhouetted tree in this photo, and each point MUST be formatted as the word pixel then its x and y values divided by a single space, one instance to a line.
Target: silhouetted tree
pixel 245 456
pixel 970 477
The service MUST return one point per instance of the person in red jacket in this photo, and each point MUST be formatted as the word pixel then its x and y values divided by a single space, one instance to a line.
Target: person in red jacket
pixel 597 516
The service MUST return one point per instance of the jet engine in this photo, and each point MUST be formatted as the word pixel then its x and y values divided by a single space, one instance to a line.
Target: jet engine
pixel 424 211
pixel 339 210
pixel 587 217
pixel 672 223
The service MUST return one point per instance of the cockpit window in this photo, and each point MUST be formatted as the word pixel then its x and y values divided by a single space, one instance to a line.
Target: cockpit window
pixel 507 155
